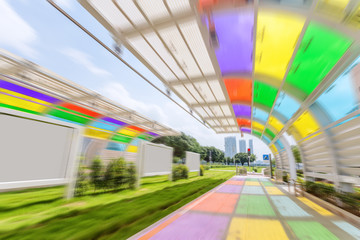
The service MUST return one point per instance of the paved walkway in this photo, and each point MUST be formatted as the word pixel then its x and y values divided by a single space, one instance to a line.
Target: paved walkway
pixel 250 208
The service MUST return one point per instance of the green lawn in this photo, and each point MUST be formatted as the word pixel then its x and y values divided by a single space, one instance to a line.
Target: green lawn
pixel 44 214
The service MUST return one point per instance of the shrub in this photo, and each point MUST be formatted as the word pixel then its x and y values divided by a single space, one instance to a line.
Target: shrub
pixel 351 199
pixel 321 190
pixel 120 173
pixel 242 171
pixel 207 167
pixel 255 169
pixel 176 159
pixel 202 171
pixel 109 176
pixel 81 182
pixel 131 169
pixel 300 171
pixel 96 175
pixel 180 172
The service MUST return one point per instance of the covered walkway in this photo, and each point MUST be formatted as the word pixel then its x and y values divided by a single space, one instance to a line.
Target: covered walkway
pixel 250 208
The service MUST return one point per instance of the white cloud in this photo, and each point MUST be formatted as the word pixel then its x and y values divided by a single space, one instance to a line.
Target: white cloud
pixel 15 32
pixel 68 4
pixel 85 60
pixel 117 92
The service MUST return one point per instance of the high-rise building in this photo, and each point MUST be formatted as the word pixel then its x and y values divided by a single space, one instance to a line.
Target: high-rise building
pixel 251 146
pixel 230 146
pixel 242 146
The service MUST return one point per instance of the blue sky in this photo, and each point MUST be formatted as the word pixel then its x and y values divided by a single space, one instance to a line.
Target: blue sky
pixel 38 32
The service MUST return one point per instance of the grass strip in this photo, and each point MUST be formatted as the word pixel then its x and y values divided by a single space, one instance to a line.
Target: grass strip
pixel 118 218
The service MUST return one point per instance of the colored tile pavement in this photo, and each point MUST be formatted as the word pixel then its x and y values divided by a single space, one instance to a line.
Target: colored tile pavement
pixel 242 208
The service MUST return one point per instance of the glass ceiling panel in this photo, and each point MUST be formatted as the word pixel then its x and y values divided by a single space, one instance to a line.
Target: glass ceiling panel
pixel 343 88
pixel 275 123
pixel 116 146
pixel 258 126
pixel 234 31
pixel 286 105
pixel 242 110
pixel 21 101
pixel 260 114
pixel 256 133
pixel 27 92
pixel 266 139
pixel 273 148
pixel 264 94
pixel 276 38
pixel 292 3
pixel 279 144
pixel 335 8
pixel 320 49
pixel 270 133
pixel 95 133
pixel 243 122
pixel 120 138
pixel 246 130
pixel 306 124
pixel 239 89
pixel 104 125
pixel 68 116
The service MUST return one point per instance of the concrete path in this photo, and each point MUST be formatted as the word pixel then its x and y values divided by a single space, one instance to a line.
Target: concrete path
pixel 250 208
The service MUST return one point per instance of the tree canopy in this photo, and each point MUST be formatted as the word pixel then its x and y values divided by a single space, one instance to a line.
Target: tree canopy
pixel 243 158
pixel 184 143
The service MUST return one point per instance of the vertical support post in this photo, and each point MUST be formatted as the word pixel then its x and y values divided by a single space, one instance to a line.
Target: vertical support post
pixel 139 161
pixel 292 166
pixel 74 162
pixel 271 175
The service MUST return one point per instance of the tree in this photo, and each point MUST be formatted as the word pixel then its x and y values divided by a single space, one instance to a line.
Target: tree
pixel 181 144
pixel 96 173
pixel 296 153
pixel 216 154
pixel 243 158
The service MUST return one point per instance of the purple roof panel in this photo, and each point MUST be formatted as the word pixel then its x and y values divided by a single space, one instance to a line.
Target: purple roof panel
pixel 246 130
pixel 27 92
pixel 242 110
pixel 234 31
pixel 111 120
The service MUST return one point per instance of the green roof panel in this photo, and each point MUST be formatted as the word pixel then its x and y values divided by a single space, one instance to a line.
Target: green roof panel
pixel 319 51
pixel 264 94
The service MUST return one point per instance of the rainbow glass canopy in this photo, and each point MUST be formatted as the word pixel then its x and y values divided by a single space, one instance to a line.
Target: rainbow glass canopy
pixel 271 61
pixel 43 93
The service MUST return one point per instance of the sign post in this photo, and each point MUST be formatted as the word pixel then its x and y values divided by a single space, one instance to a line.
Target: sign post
pixel 249 158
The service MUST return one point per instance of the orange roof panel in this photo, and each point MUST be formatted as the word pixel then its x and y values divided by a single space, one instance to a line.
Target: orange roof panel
pixel 239 90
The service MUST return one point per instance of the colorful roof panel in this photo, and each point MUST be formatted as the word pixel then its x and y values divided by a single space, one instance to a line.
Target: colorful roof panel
pixel 47 95
pixel 244 63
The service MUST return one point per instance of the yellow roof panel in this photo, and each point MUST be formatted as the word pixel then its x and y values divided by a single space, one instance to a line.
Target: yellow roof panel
pixel 276 37
pixel 95 133
pixel 258 126
pixel 20 103
pixel 275 123
pixel 306 124
pixel 128 132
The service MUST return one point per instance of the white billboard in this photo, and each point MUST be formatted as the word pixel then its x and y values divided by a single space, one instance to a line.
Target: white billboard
pixel 36 151
pixel 193 161
pixel 154 159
